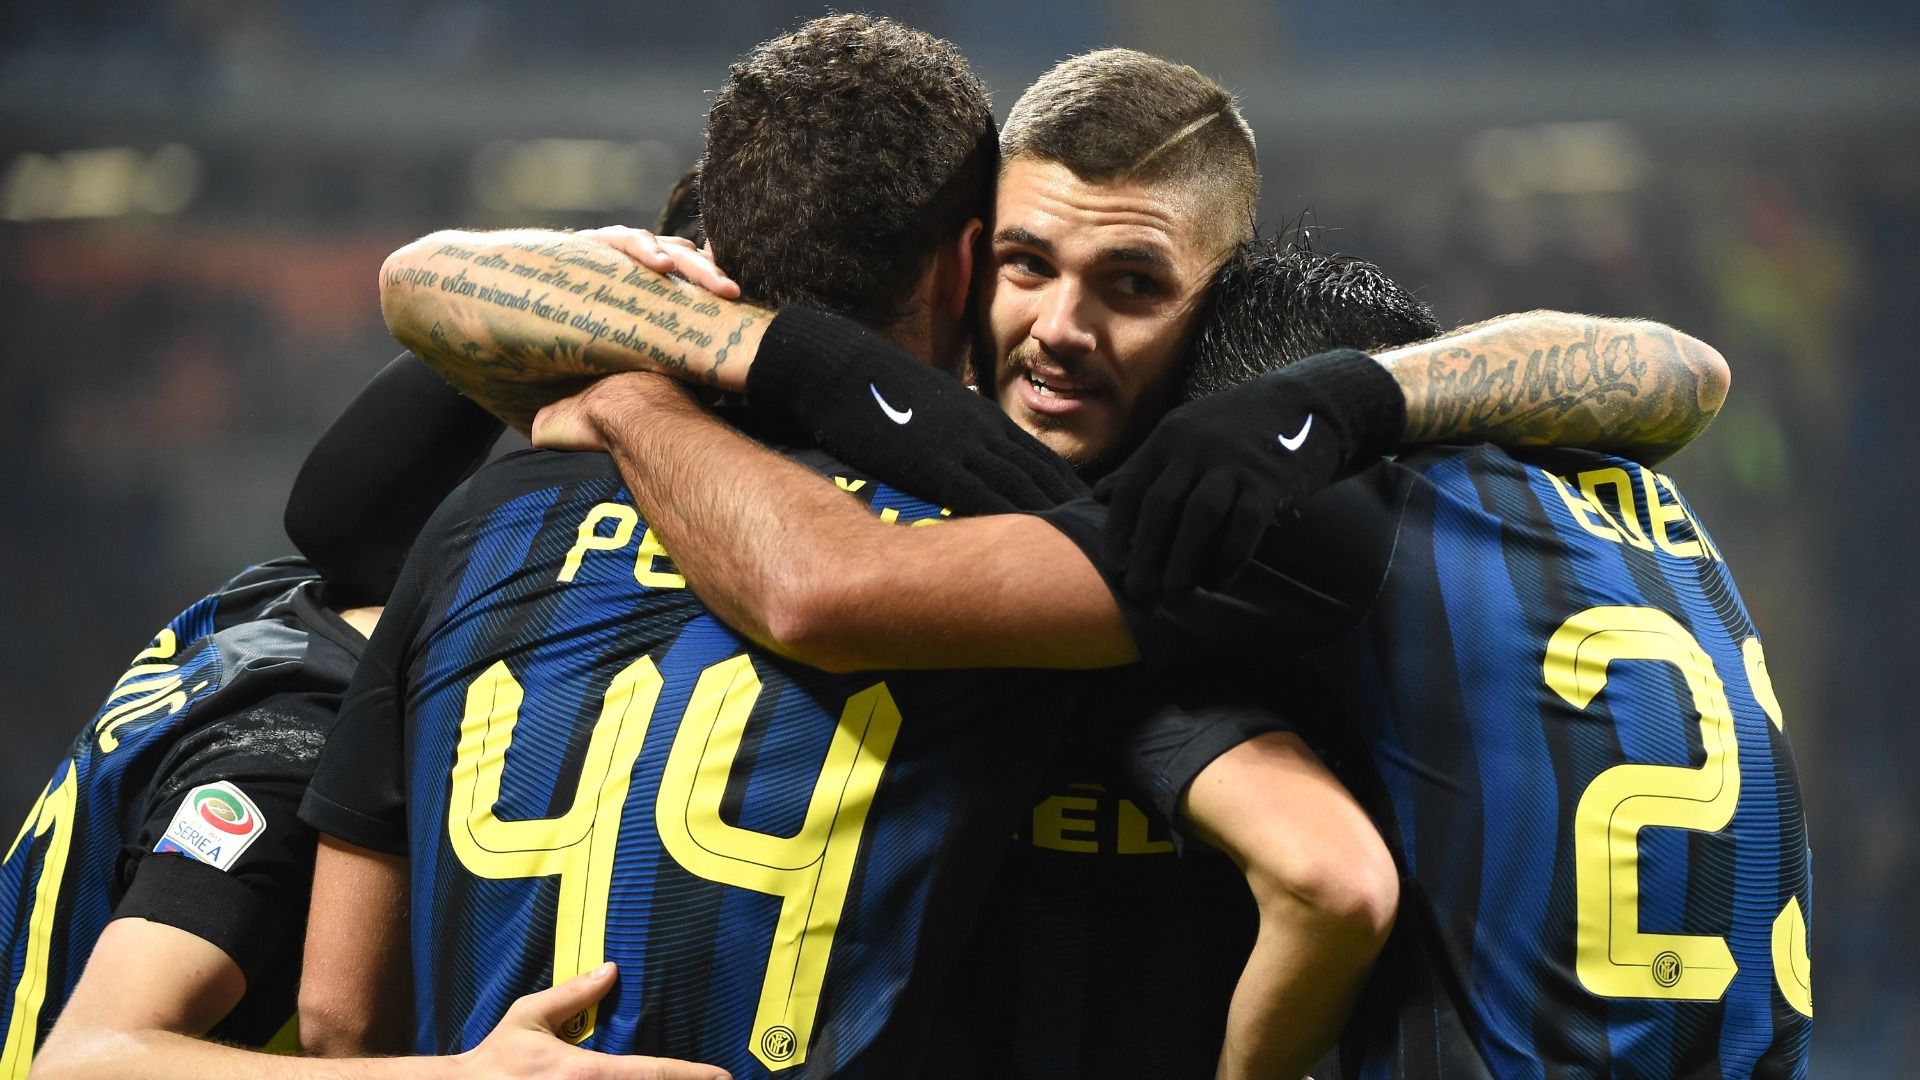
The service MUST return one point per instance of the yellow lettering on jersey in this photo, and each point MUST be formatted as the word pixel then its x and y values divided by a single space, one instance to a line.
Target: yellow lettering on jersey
pixel 849 485
pixel 624 518
pixel 154 695
pixel 1134 838
pixel 1792 967
pixel 651 552
pixel 1584 512
pixel 1052 823
pixel 579 844
pixel 1705 541
pixel 159 696
pixel 1760 682
pixel 52 812
pixel 1612 957
pixel 1628 523
pixel 163 647
pixel 889 515
pixel 811 871
pixel 1664 515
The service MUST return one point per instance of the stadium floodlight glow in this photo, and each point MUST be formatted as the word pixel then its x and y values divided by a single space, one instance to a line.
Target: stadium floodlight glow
pixel 101 182
pixel 573 174
pixel 1601 157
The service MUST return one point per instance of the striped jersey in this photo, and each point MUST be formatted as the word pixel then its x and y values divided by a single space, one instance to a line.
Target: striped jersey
pixel 584 765
pixel 178 804
pixel 1568 736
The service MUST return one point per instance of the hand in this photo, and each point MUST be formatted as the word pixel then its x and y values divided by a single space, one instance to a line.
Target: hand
pixel 918 428
pixel 575 423
pixel 526 1042
pixel 667 255
pixel 1189 507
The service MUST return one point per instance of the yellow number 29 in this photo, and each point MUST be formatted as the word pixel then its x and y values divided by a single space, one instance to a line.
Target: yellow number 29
pixel 810 871
pixel 1613 957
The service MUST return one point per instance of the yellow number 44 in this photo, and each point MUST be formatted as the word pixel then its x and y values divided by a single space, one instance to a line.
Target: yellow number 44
pixel 810 871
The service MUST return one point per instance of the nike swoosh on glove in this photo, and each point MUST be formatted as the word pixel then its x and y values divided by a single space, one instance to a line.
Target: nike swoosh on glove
pixel 1189 506
pixel 871 404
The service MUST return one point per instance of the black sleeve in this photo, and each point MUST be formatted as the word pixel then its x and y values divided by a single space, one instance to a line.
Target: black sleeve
pixel 378 472
pixel 222 852
pixel 358 792
pixel 1314 577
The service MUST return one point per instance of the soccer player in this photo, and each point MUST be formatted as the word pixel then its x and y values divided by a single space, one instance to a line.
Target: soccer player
pixel 1568 729
pixel 577 763
pixel 153 904
pixel 1105 238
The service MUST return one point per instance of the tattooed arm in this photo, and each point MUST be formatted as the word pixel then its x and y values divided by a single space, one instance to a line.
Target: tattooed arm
pixel 1631 387
pixel 519 318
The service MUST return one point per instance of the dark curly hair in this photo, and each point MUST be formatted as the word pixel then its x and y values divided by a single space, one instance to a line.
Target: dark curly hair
pixel 839 157
pixel 1273 303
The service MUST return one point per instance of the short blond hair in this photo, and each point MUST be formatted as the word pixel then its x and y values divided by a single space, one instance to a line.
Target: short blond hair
pixel 1121 114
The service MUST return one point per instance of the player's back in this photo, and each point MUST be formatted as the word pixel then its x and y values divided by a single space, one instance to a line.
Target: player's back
pixel 1578 756
pixel 598 769
pixel 237 686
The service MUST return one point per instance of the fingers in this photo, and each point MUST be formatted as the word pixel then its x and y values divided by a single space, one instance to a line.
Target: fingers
pixel 1159 520
pixel 553 1008
pixel 1245 526
pixel 1123 492
pixel 1193 554
pixel 563 425
pixel 637 244
pixel 698 267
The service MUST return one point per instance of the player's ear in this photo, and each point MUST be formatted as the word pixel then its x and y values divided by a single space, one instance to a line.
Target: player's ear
pixel 953 269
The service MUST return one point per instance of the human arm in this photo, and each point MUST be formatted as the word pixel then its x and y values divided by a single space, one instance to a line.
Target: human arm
pixel 1630 387
pixel 378 471
pixel 851 390
pixel 522 317
pixel 151 989
pixel 356 990
pixel 1192 502
pixel 786 558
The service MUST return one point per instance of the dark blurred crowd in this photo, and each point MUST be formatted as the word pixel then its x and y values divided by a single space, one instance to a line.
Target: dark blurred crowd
pixel 163 376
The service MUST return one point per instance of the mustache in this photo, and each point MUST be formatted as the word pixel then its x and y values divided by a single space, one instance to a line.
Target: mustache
pixel 1030 353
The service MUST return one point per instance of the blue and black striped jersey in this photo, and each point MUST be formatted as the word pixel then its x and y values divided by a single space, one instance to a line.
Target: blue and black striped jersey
pixel 178 804
pixel 782 861
pixel 1586 772
pixel 1565 727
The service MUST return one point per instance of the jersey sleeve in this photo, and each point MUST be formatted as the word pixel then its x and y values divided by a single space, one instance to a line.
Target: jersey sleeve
pixel 358 792
pixel 222 852
pixel 1312 579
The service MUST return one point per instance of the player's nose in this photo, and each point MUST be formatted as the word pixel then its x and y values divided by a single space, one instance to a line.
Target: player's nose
pixel 1063 325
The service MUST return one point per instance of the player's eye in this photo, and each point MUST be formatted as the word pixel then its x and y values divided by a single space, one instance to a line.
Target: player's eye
pixel 1138 286
pixel 1026 264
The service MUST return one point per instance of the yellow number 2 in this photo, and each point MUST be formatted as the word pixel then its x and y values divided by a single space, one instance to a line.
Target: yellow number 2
pixel 810 871
pixel 1612 957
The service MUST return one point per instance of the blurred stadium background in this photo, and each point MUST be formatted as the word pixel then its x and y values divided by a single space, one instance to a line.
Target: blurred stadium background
pixel 195 196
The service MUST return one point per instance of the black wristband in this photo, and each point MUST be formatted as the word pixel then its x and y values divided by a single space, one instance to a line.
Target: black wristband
pixel 878 408
pixel 804 351
pixel 1362 394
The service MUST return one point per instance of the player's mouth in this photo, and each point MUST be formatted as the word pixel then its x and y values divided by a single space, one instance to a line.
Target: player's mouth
pixel 1053 392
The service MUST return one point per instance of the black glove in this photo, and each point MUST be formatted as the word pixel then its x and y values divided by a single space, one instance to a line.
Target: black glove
pixel 1189 506
pixel 379 472
pixel 869 403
